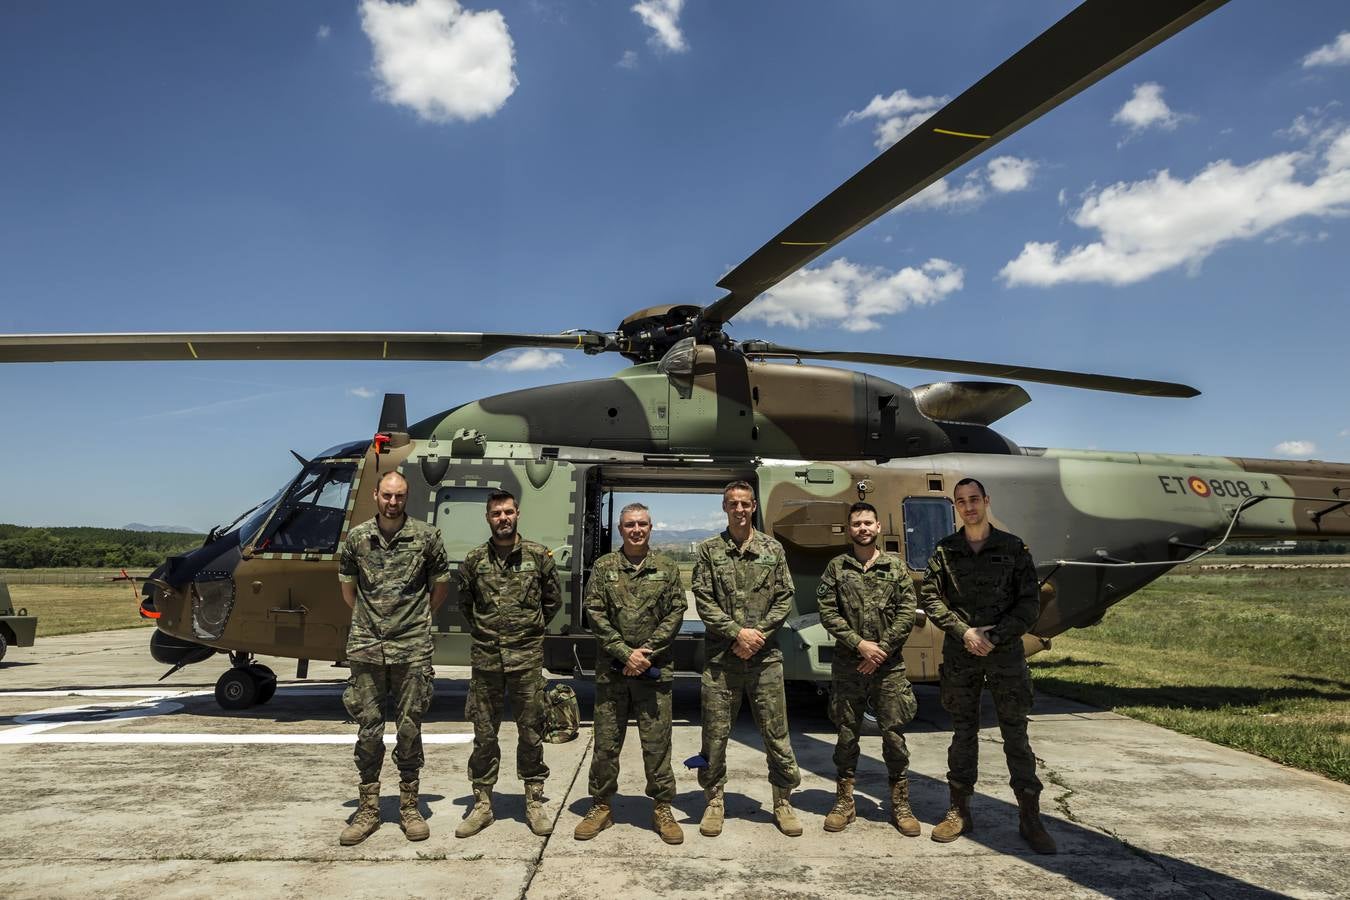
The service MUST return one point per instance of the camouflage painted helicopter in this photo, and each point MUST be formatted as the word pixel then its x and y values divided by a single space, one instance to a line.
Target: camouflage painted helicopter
pixel 697 409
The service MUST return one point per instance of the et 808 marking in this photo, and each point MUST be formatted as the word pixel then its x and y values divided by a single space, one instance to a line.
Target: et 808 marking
pixel 1194 484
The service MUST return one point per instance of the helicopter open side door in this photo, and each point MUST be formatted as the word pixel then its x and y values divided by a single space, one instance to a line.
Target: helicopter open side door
pixel 451 493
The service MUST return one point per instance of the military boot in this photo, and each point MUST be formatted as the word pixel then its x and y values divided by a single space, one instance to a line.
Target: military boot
pixel 535 813
pixel 367 818
pixel 783 815
pixel 414 826
pixel 666 826
pixel 902 817
pixel 844 811
pixel 711 823
pixel 480 816
pixel 597 819
pixel 958 820
pixel 1029 823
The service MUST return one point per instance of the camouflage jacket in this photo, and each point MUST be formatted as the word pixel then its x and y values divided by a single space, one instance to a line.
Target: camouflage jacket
pixel 877 604
pixel 634 606
pixel 508 604
pixel 996 586
pixel 391 622
pixel 737 588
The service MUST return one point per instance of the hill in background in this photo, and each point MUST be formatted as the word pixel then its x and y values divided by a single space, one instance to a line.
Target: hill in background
pixel 170 529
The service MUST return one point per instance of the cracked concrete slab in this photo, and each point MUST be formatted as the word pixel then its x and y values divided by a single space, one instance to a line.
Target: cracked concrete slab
pixel 1137 810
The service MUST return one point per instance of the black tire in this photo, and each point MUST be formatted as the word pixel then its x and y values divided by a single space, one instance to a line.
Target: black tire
pixel 267 681
pixel 4 645
pixel 237 689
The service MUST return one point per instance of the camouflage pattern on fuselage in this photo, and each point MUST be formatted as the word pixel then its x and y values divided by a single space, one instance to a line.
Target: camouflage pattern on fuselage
pixel 814 440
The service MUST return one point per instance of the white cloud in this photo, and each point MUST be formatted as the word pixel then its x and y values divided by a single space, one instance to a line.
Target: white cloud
pixel 439 59
pixel 527 360
pixel 1160 223
pixel 1296 448
pixel 629 60
pixel 323 33
pixel 1147 109
pixel 364 393
pixel 1004 174
pixel 897 115
pixel 1345 432
pixel 663 18
pixel 1337 53
pixel 1009 173
pixel 851 296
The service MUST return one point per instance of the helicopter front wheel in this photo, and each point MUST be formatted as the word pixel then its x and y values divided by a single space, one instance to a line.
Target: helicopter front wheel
pixel 238 689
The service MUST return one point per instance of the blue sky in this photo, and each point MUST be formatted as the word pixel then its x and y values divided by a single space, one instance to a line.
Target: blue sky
pixel 543 166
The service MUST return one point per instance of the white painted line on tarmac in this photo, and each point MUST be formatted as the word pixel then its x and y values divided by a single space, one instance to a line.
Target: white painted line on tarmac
pixel 23 736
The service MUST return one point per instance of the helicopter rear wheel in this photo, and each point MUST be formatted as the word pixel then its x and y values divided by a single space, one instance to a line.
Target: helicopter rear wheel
pixel 4 645
pixel 267 681
pixel 238 689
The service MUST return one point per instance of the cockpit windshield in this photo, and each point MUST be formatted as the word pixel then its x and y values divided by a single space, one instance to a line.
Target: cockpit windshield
pixel 251 521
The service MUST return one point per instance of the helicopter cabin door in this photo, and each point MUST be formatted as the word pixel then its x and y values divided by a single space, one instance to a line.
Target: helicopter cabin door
pixel 451 493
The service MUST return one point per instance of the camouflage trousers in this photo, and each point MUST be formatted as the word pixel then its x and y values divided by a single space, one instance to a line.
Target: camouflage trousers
pixel 962 678
pixel 723 688
pixel 488 694
pixel 617 698
pixel 892 701
pixel 410 685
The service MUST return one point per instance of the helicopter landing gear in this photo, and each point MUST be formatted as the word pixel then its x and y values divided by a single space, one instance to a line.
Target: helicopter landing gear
pixel 245 684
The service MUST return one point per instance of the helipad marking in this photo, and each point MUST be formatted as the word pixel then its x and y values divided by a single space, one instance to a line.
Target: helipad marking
pixel 22 735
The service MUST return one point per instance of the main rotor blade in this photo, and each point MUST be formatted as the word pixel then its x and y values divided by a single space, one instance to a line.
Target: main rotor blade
pixel 409 345
pixel 1113 383
pixel 1089 43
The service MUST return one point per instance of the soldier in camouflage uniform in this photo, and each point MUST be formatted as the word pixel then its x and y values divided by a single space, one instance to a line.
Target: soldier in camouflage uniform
pixel 981 590
pixel 635 603
pixel 867 604
pixel 387 567
pixel 743 591
pixel 508 593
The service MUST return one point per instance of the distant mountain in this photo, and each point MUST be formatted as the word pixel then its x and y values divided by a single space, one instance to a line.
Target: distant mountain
pixel 168 529
pixel 670 537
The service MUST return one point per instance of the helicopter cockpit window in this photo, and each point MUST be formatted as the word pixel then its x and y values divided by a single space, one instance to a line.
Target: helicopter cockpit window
pixel 927 521
pixel 309 519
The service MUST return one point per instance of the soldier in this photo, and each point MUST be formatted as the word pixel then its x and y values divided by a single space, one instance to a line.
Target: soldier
pixel 386 568
pixel 867 604
pixel 981 590
pixel 508 592
pixel 636 603
pixel 743 592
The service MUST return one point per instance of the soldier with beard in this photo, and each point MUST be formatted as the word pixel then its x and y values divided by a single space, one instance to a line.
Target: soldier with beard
pixel 867 604
pixel 508 592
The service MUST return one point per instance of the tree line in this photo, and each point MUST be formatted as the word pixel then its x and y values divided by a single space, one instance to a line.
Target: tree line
pixel 22 547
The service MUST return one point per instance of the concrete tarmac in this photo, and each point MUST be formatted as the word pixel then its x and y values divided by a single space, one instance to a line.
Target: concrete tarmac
pixel 119 785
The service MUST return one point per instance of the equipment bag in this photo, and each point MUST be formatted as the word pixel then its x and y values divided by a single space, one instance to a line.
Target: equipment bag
pixel 562 714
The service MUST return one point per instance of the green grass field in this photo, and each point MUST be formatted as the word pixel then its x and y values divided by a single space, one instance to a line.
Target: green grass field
pixel 1254 659
pixel 75 608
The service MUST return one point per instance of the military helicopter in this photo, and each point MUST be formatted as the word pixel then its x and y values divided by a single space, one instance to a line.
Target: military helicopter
pixel 697 408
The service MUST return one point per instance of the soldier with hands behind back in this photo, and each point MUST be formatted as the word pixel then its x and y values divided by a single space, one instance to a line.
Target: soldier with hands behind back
pixel 981 590
pixel 867 604
pixel 743 591
pixel 386 568
pixel 508 592
pixel 635 603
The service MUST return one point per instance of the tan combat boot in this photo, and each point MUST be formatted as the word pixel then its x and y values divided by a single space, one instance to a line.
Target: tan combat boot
pixel 844 811
pixel 783 815
pixel 479 817
pixel 666 826
pixel 367 818
pixel 902 817
pixel 597 819
pixel 958 820
pixel 1029 823
pixel 414 826
pixel 713 813
pixel 535 813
